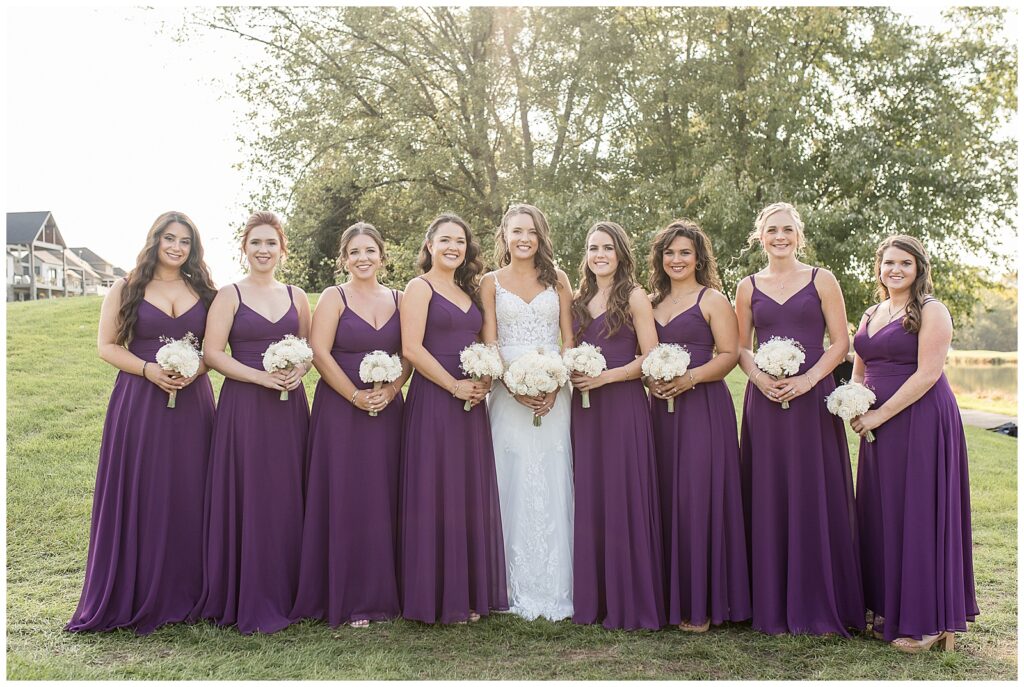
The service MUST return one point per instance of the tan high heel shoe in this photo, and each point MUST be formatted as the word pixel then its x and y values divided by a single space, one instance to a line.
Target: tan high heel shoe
pixel 919 646
pixel 687 627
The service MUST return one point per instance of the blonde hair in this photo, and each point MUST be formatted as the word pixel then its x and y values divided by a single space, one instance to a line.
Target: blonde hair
pixel 754 238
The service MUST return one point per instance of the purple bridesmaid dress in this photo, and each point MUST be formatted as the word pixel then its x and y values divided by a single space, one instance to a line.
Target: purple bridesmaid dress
pixel 913 499
pixel 144 566
pixel 617 573
pixel 452 557
pixel 699 474
pixel 254 495
pixel 798 490
pixel 349 536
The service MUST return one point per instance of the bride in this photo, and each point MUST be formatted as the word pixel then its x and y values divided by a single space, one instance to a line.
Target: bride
pixel 526 304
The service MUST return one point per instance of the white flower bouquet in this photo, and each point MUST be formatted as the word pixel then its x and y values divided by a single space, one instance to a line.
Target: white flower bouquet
pixel 479 361
pixel 180 356
pixel 665 362
pixel 849 401
pixel 286 354
pixel 587 360
pixel 378 367
pixel 535 373
pixel 779 357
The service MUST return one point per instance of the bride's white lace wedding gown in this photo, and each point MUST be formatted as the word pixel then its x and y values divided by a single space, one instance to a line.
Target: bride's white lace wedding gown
pixel 534 468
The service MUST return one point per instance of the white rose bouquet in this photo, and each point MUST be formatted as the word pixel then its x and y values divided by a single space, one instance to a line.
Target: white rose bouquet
pixel 850 400
pixel 479 361
pixel 665 362
pixel 535 373
pixel 587 360
pixel 779 357
pixel 378 367
pixel 180 356
pixel 286 354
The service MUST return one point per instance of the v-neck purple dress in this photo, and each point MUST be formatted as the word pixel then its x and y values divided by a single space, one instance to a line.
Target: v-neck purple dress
pixel 144 566
pixel 617 558
pixel 913 498
pixel 350 532
pixel 254 498
pixel 452 556
pixel 699 475
pixel 798 490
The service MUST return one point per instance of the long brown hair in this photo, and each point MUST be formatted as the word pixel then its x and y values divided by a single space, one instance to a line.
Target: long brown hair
pixel 920 289
pixel 467 275
pixel 544 258
pixel 360 229
pixel 707 266
pixel 194 272
pixel 623 283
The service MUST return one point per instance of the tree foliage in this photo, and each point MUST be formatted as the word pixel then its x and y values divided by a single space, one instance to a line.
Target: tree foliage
pixel 868 123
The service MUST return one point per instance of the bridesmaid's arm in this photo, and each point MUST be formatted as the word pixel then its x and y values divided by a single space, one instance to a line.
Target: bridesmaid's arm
pixel 858 365
pixel 564 292
pixel 215 343
pixel 119 356
pixel 933 341
pixel 722 319
pixel 321 339
pixel 834 309
pixel 764 382
pixel 415 305
pixel 292 377
pixel 406 365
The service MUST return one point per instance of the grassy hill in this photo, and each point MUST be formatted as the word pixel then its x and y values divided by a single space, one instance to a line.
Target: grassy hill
pixel 57 391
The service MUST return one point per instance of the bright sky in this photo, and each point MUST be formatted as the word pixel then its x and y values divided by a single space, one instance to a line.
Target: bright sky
pixel 110 122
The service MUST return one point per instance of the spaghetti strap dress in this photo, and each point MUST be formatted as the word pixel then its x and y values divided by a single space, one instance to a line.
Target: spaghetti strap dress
pixel 798 490
pixel 144 566
pixel 254 499
pixel 698 457
pixel 350 532
pixel 452 558
pixel 913 498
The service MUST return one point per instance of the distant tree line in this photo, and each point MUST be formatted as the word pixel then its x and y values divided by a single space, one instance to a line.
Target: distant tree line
pixel 992 323
pixel 870 124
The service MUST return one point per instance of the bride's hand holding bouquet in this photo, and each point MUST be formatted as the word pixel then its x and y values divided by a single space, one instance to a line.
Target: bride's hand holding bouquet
pixel 536 374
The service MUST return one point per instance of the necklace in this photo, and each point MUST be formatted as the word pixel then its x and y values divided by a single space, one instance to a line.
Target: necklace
pixel 892 315
pixel 676 300
pixel 167 280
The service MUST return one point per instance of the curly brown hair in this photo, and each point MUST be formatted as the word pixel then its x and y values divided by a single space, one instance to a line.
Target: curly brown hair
pixel 467 275
pixel 544 258
pixel 707 265
pixel 920 289
pixel 623 283
pixel 194 272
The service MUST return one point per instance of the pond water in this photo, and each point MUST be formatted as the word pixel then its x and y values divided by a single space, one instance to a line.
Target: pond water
pixel 983 378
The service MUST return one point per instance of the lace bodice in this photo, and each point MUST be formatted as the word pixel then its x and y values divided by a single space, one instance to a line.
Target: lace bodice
pixel 525 326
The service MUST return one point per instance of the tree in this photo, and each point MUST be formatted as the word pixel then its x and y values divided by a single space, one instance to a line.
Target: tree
pixel 870 125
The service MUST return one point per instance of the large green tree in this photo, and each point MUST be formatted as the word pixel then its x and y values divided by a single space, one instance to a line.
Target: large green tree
pixel 868 123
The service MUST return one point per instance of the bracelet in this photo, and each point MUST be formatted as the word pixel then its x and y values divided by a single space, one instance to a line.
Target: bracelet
pixel 456 389
pixel 756 376
pixel 693 383
pixel 354 394
pixel 144 370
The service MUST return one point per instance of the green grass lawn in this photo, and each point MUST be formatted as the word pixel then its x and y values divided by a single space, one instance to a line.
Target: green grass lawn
pixel 57 391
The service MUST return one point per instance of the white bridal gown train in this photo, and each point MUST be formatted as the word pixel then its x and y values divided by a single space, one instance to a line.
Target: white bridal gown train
pixel 534 468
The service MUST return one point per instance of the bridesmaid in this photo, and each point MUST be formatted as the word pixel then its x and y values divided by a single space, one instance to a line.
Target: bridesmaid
pixel 696 447
pixel 795 465
pixel 617 573
pixel 145 556
pixel 452 563
pixel 918 582
pixel 347 572
pixel 254 496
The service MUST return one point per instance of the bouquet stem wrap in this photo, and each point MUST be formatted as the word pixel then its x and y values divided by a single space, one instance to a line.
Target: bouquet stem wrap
pixel 376 387
pixel 172 399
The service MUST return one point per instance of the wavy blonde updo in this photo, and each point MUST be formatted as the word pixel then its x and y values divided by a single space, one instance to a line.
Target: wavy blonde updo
pixel 754 238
